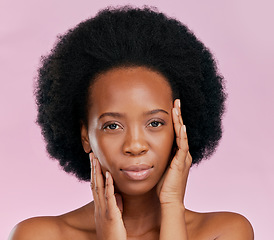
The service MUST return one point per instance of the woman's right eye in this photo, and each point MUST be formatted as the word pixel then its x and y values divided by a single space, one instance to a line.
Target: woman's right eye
pixel 112 126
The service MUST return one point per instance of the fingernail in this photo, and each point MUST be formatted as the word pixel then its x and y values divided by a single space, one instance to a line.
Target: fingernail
pixel 184 128
pixel 107 174
pixel 179 103
pixel 176 111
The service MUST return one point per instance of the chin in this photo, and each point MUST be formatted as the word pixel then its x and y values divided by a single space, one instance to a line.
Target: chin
pixel 135 188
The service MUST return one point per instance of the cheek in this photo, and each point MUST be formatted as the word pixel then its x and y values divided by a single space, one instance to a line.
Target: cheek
pixel 105 149
pixel 163 145
pixel 168 139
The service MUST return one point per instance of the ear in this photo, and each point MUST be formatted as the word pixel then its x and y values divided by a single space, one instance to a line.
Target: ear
pixel 85 138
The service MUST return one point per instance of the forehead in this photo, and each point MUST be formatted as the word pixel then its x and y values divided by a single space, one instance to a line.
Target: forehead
pixel 130 85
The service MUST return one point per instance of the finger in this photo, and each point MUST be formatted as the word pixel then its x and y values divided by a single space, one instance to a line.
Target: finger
pixel 178 162
pixel 119 201
pixel 177 124
pixel 91 170
pixel 160 183
pixel 189 159
pixel 99 184
pixel 177 119
pixel 178 106
pixel 93 182
pixel 91 178
pixel 183 144
pixel 180 138
pixel 111 202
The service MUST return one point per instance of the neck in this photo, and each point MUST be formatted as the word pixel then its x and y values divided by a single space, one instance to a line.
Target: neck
pixel 142 213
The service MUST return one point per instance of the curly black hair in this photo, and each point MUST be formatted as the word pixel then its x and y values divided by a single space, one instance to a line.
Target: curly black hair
pixel 126 36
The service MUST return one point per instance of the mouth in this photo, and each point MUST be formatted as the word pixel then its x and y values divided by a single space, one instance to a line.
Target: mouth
pixel 137 172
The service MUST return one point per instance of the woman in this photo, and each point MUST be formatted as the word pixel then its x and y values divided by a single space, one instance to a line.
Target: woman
pixel 129 100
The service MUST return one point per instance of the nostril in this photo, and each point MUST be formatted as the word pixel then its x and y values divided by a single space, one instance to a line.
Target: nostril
pixel 144 151
pixel 135 147
pixel 136 153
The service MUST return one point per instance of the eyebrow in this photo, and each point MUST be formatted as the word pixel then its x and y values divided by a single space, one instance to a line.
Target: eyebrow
pixel 156 111
pixel 120 115
pixel 111 114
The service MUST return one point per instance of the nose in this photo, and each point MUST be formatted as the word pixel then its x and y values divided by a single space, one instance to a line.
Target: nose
pixel 135 143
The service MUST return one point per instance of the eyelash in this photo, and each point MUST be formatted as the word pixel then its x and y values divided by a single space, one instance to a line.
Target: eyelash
pixel 156 121
pixel 107 125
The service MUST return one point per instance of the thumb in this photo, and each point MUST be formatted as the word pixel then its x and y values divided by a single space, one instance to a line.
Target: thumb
pixel 119 201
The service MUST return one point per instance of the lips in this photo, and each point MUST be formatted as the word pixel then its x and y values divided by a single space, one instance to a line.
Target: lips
pixel 137 172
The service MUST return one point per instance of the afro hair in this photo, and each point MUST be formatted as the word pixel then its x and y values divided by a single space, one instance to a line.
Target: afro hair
pixel 126 36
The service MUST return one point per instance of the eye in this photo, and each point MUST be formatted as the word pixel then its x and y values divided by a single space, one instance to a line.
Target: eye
pixel 112 126
pixel 155 124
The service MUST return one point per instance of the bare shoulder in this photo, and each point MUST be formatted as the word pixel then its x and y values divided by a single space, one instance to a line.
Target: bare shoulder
pixel 38 228
pixel 231 226
pixel 76 224
pixel 221 226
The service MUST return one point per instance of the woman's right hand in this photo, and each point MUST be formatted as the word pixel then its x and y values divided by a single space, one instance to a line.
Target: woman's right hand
pixel 108 207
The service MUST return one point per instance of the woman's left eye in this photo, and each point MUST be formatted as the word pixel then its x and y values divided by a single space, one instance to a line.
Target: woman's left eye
pixel 155 124
pixel 112 126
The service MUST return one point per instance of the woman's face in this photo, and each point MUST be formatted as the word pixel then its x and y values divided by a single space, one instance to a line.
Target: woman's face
pixel 129 124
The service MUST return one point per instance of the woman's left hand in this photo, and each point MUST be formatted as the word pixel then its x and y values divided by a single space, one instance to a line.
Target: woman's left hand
pixel 171 188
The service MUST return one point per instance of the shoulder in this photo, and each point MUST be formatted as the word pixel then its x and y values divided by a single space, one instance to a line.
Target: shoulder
pixel 78 223
pixel 231 226
pixel 223 225
pixel 38 228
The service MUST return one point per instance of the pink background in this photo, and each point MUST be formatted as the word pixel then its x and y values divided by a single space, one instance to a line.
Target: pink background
pixel 239 177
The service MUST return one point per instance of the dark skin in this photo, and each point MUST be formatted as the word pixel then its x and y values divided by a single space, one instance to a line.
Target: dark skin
pixel 133 120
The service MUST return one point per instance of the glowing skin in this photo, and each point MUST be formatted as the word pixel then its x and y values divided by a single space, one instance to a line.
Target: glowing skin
pixel 130 123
